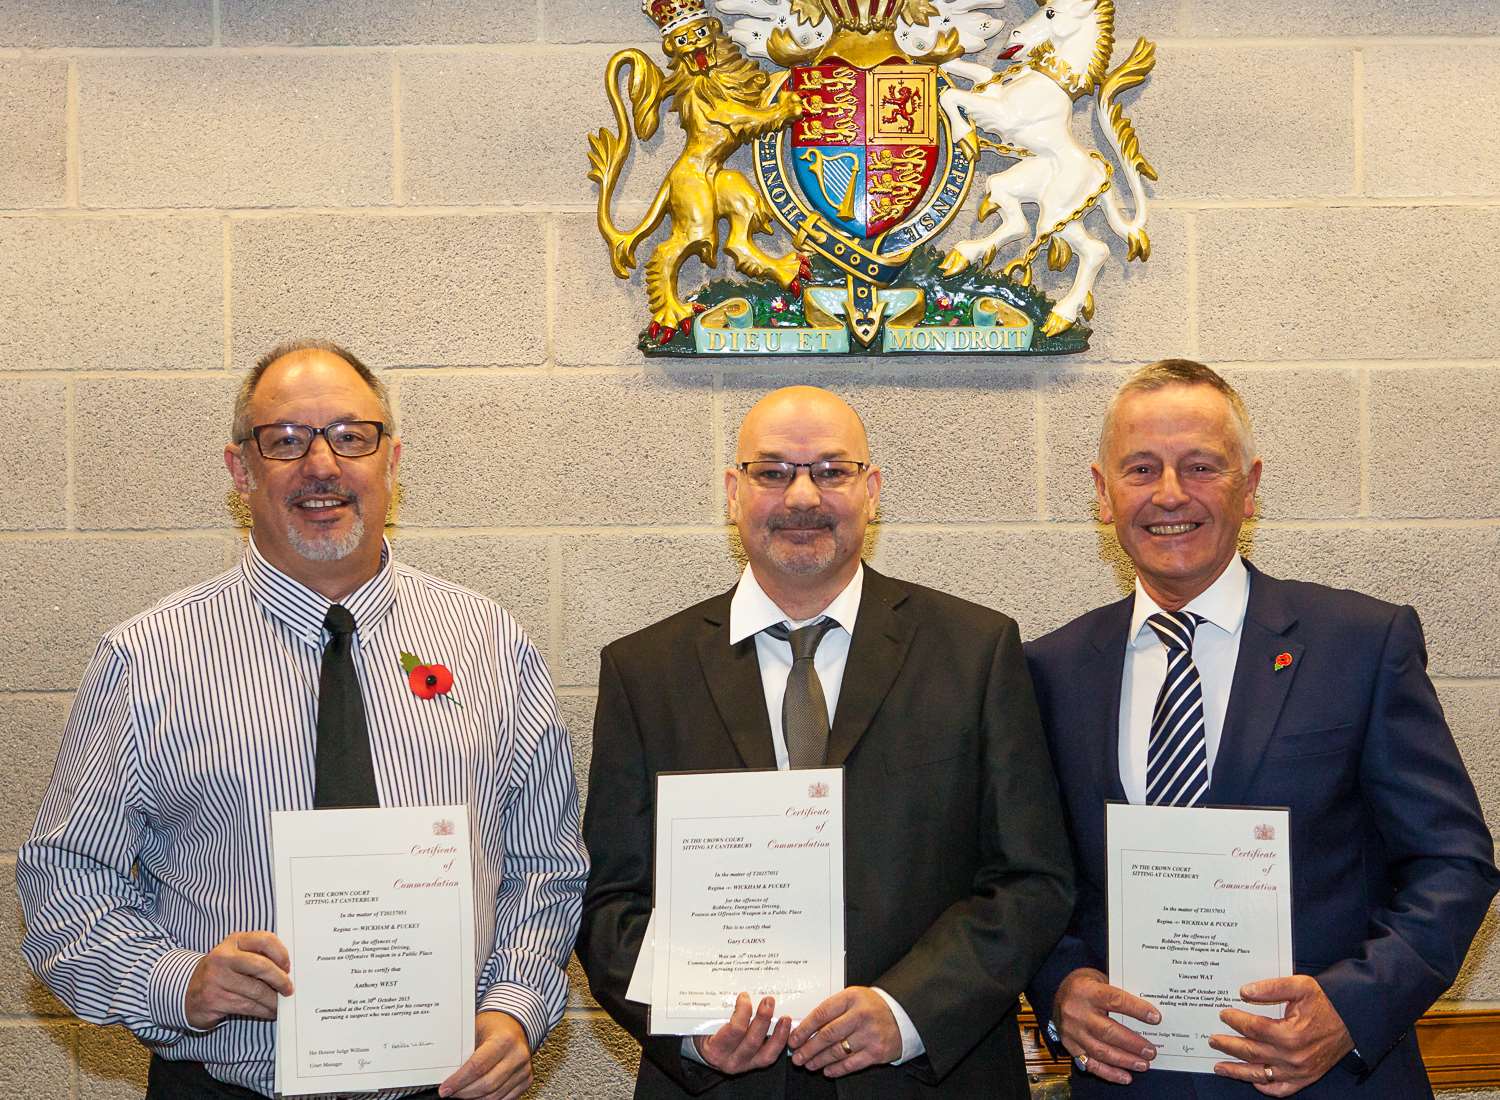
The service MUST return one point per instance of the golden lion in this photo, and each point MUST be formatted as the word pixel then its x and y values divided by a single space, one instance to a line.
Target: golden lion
pixel 720 102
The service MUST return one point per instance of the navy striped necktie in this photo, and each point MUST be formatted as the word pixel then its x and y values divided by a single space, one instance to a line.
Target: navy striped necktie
pixel 1177 754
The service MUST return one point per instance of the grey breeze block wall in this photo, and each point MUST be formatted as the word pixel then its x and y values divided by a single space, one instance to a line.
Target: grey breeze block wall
pixel 185 182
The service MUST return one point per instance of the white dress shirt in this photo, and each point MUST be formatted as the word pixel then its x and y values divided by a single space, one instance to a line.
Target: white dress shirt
pixel 1216 648
pixel 750 612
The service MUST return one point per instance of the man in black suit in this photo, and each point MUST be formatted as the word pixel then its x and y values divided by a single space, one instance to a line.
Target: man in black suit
pixel 957 874
pixel 1292 694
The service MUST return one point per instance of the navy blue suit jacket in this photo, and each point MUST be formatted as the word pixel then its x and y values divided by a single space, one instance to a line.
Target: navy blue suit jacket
pixel 1392 865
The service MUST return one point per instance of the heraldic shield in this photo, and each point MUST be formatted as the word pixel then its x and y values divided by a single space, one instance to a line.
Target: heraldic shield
pixel 866 148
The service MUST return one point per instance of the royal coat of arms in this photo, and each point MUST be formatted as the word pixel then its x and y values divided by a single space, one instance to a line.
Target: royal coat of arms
pixel 864 147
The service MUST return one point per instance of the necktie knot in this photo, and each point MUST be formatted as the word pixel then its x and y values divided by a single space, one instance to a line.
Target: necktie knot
pixel 338 620
pixel 1175 628
pixel 804 640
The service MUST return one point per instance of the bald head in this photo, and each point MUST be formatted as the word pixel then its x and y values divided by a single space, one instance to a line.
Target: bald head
pixel 800 410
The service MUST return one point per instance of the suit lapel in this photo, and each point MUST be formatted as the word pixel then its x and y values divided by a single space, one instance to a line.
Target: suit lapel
pixel 882 636
pixel 1259 689
pixel 1109 641
pixel 732 674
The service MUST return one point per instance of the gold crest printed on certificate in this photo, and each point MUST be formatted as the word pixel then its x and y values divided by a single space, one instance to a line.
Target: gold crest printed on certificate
pixel 865 146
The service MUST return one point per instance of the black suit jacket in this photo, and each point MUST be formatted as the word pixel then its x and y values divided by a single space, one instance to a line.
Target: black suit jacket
pixel 957 878
pixel 1392 865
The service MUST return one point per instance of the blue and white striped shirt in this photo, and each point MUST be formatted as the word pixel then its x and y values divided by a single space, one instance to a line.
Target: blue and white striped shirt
pixel 198 718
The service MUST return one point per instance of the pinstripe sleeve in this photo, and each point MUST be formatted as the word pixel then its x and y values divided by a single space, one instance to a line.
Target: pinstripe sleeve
pixel 538 904
pixel 89 933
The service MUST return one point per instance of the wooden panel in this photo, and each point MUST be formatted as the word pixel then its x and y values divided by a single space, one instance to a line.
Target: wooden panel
pixel 1461 1049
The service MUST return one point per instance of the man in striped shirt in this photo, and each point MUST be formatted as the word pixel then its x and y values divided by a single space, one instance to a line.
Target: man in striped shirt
pixel 146 883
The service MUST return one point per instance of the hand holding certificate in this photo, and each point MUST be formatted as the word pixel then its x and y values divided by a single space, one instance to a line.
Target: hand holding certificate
pixel 749 896
pixel 376 908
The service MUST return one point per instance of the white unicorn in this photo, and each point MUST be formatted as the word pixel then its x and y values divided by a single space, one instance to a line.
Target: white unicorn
pixel 1066 48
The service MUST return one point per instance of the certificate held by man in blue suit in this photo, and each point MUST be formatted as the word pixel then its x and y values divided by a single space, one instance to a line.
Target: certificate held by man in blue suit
pixel 1200 905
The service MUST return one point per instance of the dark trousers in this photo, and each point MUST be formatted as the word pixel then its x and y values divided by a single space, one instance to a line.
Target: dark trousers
pixel 175 1080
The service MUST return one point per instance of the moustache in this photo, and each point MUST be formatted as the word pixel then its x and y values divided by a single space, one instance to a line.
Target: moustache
pixel 321 489
pixel 801 521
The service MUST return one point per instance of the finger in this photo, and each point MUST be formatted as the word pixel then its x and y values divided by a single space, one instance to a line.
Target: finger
pixel 756 1031
pixel 1254 1026
pixel 829 1009
pixel 261 968
pixel 1255 1074
pixel 1121 1058
pixel 267 944
pixel 1113 1034
pixel 821 1041
pixel 1100 1066
pixel 1242 1050
pixel 1114 999
pixel 232 1004
pixel 500 1078
pixel 1275 990
pixel 832 1037
pixel 775 1043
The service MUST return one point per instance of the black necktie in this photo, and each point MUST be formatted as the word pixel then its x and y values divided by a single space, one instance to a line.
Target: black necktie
pixel 345 774
pixel 804 707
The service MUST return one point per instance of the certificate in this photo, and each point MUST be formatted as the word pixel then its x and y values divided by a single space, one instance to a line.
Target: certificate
pixel 749 894
pixel 376 908
pixel 1200 903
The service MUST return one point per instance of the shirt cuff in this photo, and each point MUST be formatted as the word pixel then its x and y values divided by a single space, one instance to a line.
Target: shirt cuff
pixel 911 1043
pixel 167 988
pixel 690 1051
pixel 524 1004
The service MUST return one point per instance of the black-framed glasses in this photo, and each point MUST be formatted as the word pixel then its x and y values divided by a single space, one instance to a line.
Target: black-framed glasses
pixel 827 473
pixel 345 438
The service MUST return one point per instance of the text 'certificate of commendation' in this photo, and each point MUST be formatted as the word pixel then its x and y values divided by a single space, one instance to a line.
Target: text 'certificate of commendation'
pixel 376 908
pixel 1200 904
pixel 749 894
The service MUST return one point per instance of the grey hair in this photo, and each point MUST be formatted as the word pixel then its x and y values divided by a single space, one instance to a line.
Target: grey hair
pixel 1182 372
pixel 241 423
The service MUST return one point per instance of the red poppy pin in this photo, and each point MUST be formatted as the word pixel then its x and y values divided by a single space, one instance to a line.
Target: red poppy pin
pixel 426 681
pixel 1283 660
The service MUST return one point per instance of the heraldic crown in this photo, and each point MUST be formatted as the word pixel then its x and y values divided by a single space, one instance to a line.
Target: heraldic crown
pixel 671 14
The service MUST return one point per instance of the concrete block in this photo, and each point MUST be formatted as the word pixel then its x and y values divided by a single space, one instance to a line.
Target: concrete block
pixel 599 317
pixel 953 445
pixel 373 23
pixel 1471 710
pixel 1337 283
pixel 500 128
pixel 512 570
pixel 21 992
pixel 60 595
pixel 585 1058
pixel 36 1061
pixel 616 584
pixel 1290 19
pixel 1073 404
pixel 1249 137
pixel 33 133
pixel 426 291
pixel 111 1064
pixel 111 294
pixel 33 453
pixel 1479 978
pixel 36 24
pixel 1420 103
pixel 495 450
pixel 1446 573
pixel 1307 428
pixel 30 731
pixel 578 712
pixel 148 452
pixel 1040 578
pixel 614 21
pixel 1433 448
pixel 1142 307
pixel 237 130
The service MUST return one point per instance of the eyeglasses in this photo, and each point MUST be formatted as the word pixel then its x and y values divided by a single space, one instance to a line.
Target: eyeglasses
pixel 345 438
pixel 828 473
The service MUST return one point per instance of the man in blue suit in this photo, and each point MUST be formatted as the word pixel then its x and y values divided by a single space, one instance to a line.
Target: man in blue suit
pixel 1299 695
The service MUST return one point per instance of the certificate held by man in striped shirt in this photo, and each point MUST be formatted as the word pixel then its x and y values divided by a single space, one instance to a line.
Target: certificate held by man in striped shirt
pixel 377 907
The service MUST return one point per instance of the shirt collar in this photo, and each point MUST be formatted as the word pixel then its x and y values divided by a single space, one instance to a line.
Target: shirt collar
pixel 1222 603
pixel 303 610
pixel 751 610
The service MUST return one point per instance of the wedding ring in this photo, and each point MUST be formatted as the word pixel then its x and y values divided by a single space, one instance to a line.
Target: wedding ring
pixel 1083 1062
pixel 848 1050
pixel 1270 1074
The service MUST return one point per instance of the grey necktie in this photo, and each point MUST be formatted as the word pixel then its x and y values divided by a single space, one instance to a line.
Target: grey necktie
pixel 804 708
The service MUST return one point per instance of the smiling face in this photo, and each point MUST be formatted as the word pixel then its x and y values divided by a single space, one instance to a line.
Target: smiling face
pixel 803 542
pixel 319 518
pixel 1172 480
